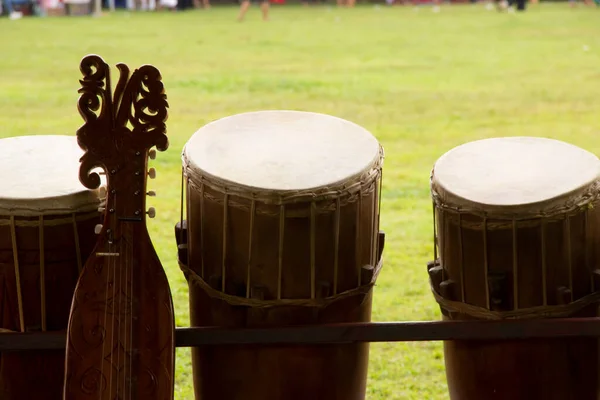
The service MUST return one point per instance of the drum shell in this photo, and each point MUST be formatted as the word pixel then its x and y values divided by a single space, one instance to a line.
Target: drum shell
pixel 308 255
pixel 295 372
pixel 549 369
pixel 522 259
pixel 45 368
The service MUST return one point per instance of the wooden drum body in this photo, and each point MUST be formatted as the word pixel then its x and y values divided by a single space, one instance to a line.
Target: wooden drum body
pixel 282 229
pixel 517 237
pixel 47 221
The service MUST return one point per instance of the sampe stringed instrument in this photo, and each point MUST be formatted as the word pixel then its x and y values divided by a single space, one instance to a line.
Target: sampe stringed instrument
pixel 47 220
pixel 120 341
pixel 282 229
pixel 516 222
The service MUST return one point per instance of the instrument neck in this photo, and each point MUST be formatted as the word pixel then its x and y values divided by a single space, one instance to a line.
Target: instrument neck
pixel 126 198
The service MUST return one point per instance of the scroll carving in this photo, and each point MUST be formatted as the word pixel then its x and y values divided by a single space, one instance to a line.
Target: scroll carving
pixel 133 119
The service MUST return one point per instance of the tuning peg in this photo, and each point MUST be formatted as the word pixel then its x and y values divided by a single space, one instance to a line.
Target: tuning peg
pixel 151 212
pixel 98 229
pixel 151 193
pixel 101 209
pixel 151 173
pixel 152 154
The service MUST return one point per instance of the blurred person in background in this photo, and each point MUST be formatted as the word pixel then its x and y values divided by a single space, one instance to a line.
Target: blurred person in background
pixel 12 14
pixel 168 4
pixel 520 4
pixel 507 5
pixel 245 5
pixel 205 4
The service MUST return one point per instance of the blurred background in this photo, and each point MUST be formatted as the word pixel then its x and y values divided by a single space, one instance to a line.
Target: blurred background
pixel 422 76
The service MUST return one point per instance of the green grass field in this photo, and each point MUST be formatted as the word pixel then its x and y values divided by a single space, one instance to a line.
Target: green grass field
pixel 421 82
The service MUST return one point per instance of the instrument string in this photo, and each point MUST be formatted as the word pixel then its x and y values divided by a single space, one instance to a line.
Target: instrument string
pixel 104 272
pixel 129 251
pixel 111 246
pixel 124 304
pixel 119 307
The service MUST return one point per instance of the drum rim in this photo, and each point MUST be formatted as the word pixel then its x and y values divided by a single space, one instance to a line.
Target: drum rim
pixel 80 201
pixel 347 187
pixel 568 202
pixel 196 173
pixel 35 208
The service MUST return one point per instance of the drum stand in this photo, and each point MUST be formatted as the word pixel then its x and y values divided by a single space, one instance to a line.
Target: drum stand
pixel 404 331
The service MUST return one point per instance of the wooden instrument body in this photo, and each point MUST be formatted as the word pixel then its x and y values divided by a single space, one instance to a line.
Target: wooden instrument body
pixel 61 268
pixel 257 260
pixel 114 323
pixel 120 338
pixel 520 369
pixel 532 251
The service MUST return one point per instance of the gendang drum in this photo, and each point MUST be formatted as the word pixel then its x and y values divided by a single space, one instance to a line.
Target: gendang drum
pixel 282 229
pixel 517 236
pixel 47 221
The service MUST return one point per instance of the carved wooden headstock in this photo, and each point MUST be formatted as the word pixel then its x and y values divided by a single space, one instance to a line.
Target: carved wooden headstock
pixel 120 130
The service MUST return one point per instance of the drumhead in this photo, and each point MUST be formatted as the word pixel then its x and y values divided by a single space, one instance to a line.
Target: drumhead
pixel 281 150
pixel 40 175
pixel 514 172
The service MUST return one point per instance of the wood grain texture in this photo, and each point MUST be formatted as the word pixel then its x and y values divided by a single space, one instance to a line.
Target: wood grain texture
pixel 120 338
